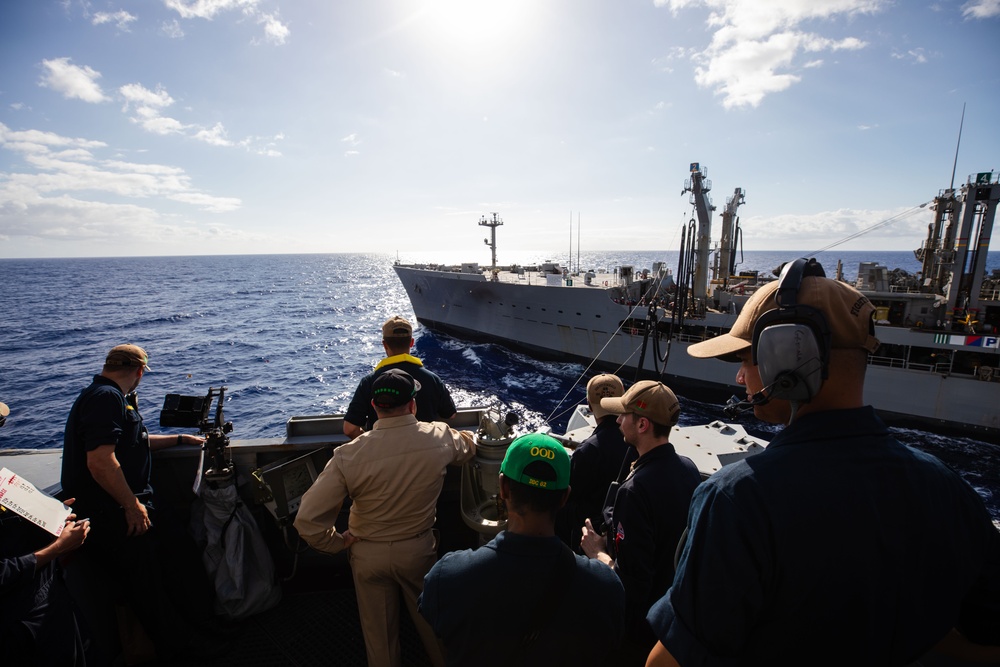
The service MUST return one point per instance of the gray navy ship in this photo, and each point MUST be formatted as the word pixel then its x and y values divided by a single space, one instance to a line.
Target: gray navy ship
pixel 938 365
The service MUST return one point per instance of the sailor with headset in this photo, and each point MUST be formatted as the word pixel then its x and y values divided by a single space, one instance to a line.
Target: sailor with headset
pixel 837 545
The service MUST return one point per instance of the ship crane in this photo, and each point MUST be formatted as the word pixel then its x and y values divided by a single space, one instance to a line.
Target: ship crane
pixel 953 255
pixel 725 259
pixel 980 197
pixel 699 186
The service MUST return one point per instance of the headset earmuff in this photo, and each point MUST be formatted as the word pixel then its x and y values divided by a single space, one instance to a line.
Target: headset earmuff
pixel 791 344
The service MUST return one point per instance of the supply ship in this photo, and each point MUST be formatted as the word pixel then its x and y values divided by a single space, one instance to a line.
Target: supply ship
pixel 938 365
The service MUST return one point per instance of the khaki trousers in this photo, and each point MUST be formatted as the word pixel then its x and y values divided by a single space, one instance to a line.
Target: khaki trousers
pixel 382 571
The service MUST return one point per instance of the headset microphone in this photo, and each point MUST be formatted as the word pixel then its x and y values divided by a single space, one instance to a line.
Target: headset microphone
pixel 734 406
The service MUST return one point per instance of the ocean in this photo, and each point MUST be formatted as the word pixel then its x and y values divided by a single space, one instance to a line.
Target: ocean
pixel 291 335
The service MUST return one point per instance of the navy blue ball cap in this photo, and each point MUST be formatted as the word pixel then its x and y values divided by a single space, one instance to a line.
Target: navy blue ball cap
pixel 393 388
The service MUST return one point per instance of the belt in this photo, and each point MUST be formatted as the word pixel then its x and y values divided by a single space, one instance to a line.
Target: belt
pixel 418 536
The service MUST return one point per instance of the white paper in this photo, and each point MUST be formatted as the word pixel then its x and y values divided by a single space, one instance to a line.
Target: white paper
pixel 20 496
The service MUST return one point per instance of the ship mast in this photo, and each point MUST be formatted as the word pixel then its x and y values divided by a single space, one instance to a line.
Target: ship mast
pixel 492 223
pixel 699 186
pixel 937 256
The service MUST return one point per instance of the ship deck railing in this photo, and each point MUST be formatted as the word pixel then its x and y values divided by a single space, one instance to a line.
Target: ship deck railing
pixel 690 338
pixel 938 369
pixel 535 277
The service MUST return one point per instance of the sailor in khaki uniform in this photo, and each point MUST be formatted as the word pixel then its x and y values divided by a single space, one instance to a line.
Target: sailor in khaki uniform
pixel 394 475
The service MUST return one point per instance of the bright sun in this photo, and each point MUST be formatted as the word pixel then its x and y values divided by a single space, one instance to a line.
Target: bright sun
pixel 484 24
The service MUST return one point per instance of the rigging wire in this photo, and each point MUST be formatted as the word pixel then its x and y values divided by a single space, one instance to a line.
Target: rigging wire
pixel 899 216
pixel 655 288
pixel 593 361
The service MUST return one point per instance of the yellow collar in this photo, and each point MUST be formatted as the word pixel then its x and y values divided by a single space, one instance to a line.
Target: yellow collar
pixel 397 358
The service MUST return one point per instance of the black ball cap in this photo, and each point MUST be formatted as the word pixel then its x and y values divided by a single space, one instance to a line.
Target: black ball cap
pixel 393 388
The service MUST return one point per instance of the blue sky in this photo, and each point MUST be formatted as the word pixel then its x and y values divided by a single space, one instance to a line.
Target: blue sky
pixel 181 127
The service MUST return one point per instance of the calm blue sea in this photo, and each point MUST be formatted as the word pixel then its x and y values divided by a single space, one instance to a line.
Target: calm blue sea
pixel 292 334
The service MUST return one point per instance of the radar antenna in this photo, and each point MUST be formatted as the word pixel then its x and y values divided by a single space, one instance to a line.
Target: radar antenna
pixel 492 223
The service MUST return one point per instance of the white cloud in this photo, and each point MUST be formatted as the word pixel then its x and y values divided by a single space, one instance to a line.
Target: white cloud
pixel 71 80
pixel 28 140
pixel 813 232
pixel 172 29
pixel 208 202
pixel 266 146
pixel 755 44
pixel 665 63
pixel 981 9
pixel 66 190
pixel 147 106
pixel 916 55
pixel 275 32
pixel 207 9
pixel 352 139
pixel 136 93
pixel 157 124
pixel 121 19
pixel 216 136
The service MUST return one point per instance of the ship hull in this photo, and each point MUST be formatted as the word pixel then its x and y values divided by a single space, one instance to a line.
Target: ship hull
pixel 582 324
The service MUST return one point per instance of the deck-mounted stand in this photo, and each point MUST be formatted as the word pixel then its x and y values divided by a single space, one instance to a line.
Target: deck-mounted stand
pixel 193 412
pixel 492 223
pixel 481 507
pixel 233 550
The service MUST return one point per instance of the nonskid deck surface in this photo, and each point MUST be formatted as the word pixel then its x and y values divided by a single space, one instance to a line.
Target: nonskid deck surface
pixel 319 627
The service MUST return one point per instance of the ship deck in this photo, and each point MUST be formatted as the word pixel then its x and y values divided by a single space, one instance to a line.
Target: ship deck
pixel 312 625
pixel 316 621
pixel 533 276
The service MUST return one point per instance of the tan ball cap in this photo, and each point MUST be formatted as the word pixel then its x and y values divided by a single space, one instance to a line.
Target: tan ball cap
pixel 848 313
pixel 603 386
pixel 647 398
pixel 397 327
pixel 127 355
